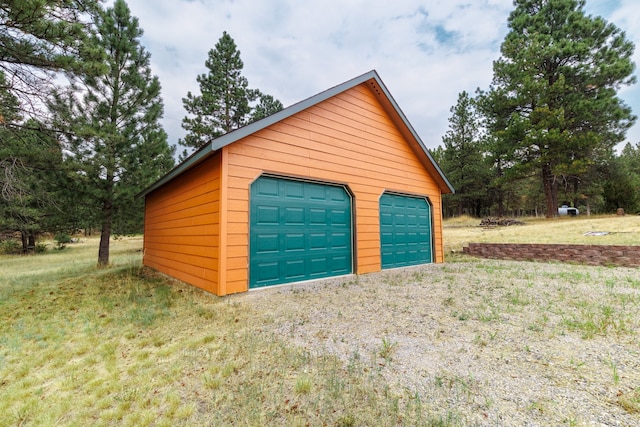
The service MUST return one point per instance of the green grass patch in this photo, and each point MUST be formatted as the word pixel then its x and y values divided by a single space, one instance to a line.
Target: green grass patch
pixel 122 345
pixel 125 346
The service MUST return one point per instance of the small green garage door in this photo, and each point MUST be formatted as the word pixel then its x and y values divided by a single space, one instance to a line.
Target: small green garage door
pixel 405 230
pixel 299 231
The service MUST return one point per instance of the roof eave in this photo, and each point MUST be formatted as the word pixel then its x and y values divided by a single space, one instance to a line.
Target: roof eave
pixel 191 161
pixel 397 115
pixel 375 83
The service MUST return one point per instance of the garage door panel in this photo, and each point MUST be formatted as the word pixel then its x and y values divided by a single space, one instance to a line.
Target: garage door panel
pixel 268 215
pixel 293 269
pixel 267 243
pixel 267 271
pixel 405 230
pixel 267 188
pixel 340 240
pixel 294 216
pixel 341 264
pixel 317 216
pixel 340 217
pixel 386 219
pixel 318 241
pixel 386 239
pixel 337 194
pixel 294 242
pixel 318 266
pixel 317 192
pixel 313 226
pixel 293 190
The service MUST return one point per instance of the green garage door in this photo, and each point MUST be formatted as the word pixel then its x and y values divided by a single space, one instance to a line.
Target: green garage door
pixel 405 230
pixel 299 231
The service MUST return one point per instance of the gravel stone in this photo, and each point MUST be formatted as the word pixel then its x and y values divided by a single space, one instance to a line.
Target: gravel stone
pixel 492 342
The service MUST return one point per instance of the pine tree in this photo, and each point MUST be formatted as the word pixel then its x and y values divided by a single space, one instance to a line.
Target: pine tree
pixel 14 190
pixel 553 107
pixel 630 155
pixel 111 124
pixel 225 100
pixel 29 155
pixel 39 38
pixel 622 180
pixel 267 106
pixel 463 158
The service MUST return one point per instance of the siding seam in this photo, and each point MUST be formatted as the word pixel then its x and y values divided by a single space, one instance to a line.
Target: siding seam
pixel 222 252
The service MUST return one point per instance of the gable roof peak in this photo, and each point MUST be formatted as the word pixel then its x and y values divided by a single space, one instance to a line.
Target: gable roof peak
pixel 378 88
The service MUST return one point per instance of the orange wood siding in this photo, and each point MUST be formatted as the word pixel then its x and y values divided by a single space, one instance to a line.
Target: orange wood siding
pixel 182 226
pixel 346 139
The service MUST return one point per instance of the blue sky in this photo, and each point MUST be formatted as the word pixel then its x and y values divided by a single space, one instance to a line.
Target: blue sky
pixel 425 51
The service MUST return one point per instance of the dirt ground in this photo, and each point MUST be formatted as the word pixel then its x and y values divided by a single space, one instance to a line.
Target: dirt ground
pixel 483 341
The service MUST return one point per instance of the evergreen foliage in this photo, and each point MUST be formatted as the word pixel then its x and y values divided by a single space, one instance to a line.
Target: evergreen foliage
pixel 463 160
pixel 622 181
pixel 225 102
pixel 38 38
pixel 267 106
pixel 552 108
pixel 29 155
pixel 111 128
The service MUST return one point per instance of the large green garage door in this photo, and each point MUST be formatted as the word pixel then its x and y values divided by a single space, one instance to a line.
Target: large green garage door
pixel 405 230
pixel 299 231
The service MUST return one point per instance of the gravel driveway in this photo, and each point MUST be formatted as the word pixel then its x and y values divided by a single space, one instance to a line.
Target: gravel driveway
pixel 481 341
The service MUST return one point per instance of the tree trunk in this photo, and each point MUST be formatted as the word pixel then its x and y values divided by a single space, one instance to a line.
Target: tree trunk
pixel 23 235
pixel 32 242
pixel 500 205
pixel 576 188
pixel 28 241
pixel 105 235
pixel 550 191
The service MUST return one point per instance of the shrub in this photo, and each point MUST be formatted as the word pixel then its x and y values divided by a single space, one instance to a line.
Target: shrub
pixel 61 240
pixel 10 247
pixel 41 248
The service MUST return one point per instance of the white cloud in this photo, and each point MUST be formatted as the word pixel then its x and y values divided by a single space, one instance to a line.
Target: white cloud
pixel 425 51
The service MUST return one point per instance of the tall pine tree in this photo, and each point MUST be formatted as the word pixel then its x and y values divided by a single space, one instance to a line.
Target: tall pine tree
pixel 112 126
pixel 622 181
pixel 463 158
pixel 552 105
pixel 29 160
pixel 39 38
pixel 225 102
pixel 266 107
pixel 38 41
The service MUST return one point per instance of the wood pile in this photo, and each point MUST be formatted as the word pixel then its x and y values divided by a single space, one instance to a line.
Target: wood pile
pixel 499 222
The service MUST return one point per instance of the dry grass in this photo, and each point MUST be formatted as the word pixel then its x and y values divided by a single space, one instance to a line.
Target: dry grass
pixel 624 230
pixel 123 346
pixel 480 342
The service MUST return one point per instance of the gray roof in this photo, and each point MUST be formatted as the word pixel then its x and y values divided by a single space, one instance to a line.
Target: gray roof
pixel 372 79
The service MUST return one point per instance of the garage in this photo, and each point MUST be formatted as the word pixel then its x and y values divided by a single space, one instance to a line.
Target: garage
pixel 297 196
pixel 405 230
pixel 299 230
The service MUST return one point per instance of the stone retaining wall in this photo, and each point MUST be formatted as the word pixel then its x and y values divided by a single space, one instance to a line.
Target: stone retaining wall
pixel 625 256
